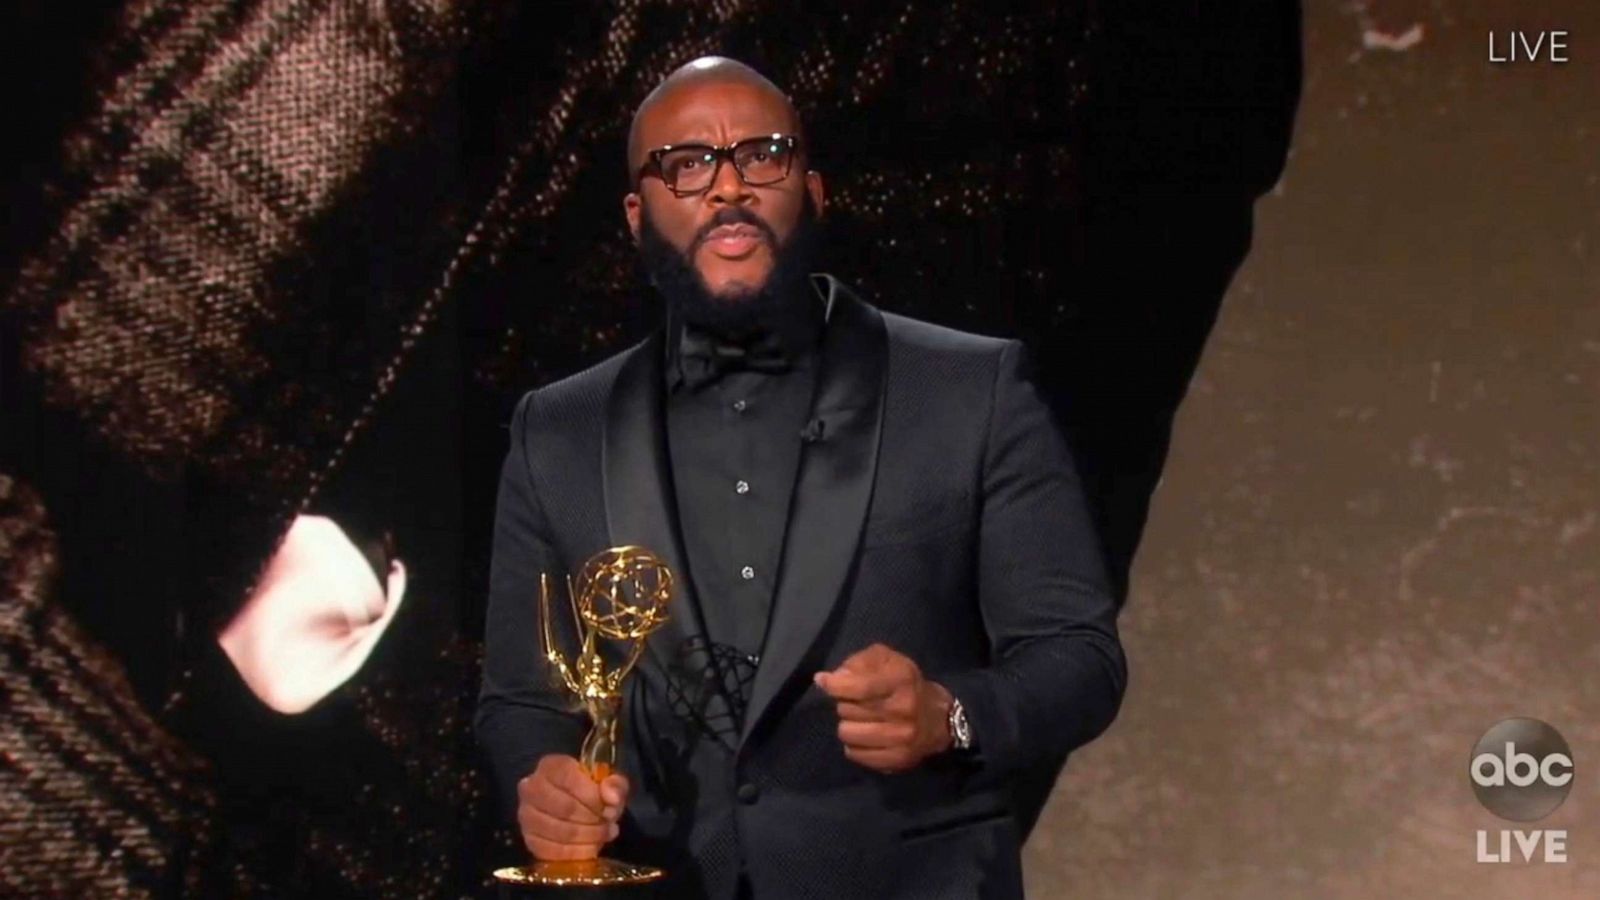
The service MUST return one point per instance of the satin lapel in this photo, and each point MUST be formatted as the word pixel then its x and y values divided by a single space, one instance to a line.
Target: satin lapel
pixel 832 489
pixel 640 506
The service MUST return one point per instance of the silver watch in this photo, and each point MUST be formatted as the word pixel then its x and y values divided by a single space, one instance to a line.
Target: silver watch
pixel 960 731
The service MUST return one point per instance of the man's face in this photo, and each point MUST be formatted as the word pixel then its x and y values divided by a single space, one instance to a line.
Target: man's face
pixel 733 260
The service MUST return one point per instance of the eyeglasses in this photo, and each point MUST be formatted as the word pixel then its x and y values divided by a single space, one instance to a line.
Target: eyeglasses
pixel 688 169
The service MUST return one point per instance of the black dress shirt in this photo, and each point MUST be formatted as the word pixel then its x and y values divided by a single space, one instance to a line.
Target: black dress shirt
pixel 734 441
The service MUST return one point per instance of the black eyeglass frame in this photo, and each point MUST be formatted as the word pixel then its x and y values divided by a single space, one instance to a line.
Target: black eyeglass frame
pixel 652 165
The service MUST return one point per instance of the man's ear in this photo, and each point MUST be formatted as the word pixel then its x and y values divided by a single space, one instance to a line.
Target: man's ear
pixel 631 211
pixel 818 193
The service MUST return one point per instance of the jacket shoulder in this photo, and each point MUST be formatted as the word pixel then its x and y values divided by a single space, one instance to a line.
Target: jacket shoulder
pixel 907 333
pixel 940 370
pixel 921 349
pixel 578 397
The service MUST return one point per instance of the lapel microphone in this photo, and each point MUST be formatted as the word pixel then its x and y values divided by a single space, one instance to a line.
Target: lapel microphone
pixel 814 431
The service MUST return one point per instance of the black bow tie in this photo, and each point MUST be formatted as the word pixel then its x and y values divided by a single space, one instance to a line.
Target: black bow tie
pixel 704 357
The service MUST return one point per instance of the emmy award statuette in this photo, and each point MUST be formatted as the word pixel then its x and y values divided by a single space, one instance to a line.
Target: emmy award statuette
pixel 619 597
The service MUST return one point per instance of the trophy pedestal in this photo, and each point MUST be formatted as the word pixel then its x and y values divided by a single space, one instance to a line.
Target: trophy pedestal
pixel 592 879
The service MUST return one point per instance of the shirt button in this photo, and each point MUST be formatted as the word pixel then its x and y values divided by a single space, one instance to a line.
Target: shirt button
pixel 747 793
pixel 748 572
pixel 742 486
pixel 739 405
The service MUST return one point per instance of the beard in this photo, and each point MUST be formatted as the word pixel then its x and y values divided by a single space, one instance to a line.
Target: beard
pixel 769 306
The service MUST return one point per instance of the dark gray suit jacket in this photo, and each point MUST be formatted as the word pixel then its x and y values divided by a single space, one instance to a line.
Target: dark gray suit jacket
pixel 938 512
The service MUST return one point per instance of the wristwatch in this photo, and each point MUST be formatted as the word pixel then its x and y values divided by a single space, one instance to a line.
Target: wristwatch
pixel 960 731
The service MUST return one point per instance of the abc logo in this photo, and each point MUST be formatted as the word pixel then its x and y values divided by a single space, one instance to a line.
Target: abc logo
pixel 1521 769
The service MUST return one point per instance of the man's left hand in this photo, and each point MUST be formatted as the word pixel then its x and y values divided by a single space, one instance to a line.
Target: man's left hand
pixel 890 717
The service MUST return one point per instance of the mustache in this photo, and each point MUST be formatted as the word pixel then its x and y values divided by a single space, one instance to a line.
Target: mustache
pixel 732 215
pixel 672 273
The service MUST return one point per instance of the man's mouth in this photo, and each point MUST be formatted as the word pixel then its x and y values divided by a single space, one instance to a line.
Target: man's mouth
pixel 734 241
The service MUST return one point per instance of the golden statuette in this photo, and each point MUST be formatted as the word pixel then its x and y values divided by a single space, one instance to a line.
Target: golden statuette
pixel 619 597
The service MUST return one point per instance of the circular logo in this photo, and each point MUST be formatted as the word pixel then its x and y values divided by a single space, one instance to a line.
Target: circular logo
pixel 1521 769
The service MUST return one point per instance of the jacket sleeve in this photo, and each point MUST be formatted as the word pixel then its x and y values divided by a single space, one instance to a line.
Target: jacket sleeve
pixel 1057 671
pixel 523 712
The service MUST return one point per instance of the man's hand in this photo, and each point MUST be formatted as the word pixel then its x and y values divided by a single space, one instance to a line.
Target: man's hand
pixel 564 813
pixel 890 717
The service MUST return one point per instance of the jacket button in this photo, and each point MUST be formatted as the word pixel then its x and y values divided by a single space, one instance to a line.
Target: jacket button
pixel 747 793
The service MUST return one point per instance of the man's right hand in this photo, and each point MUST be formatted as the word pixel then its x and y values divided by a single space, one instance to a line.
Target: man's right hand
pixel 566 814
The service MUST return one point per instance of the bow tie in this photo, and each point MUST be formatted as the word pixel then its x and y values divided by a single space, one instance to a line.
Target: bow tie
pixel 704 357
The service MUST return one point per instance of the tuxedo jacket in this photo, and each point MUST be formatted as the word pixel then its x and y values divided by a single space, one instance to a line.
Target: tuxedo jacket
pixel 936 510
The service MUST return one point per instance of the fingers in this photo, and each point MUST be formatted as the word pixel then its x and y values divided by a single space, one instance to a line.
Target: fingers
pixel 856 687
pixel 560 786
pixel 873 685
pixel 886 761
pixel 540 825
pixel 570 776
pixel 856 712
pixel 563 814
pixel 875 735
pixel 868 676
pixel 899 703
pixel 614 794
pixel 880 695
pixel 545 849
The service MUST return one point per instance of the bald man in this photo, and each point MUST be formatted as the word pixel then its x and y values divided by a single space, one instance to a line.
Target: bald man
pixel 891 602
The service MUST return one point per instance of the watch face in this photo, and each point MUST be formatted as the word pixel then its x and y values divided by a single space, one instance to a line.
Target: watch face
pixel 960 734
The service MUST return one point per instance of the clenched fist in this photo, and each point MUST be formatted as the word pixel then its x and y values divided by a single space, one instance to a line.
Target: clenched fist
pixel 564 813
pixel 890 717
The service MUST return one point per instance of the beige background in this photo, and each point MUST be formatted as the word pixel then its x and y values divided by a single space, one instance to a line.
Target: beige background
pixel 1379 529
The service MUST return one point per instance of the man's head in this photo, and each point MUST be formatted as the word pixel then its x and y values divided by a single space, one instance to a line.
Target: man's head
pixel 723 235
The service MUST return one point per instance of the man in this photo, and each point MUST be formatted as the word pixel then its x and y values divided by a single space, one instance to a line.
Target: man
pixel 890 601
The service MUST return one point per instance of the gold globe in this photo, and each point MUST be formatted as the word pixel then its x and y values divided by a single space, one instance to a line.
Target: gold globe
pixel 623 592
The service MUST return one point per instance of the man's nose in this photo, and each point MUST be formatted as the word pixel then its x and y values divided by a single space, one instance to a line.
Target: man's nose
pixel 728 187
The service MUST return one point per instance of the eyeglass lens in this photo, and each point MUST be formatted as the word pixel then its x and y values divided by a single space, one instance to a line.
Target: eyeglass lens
pixel 759 160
